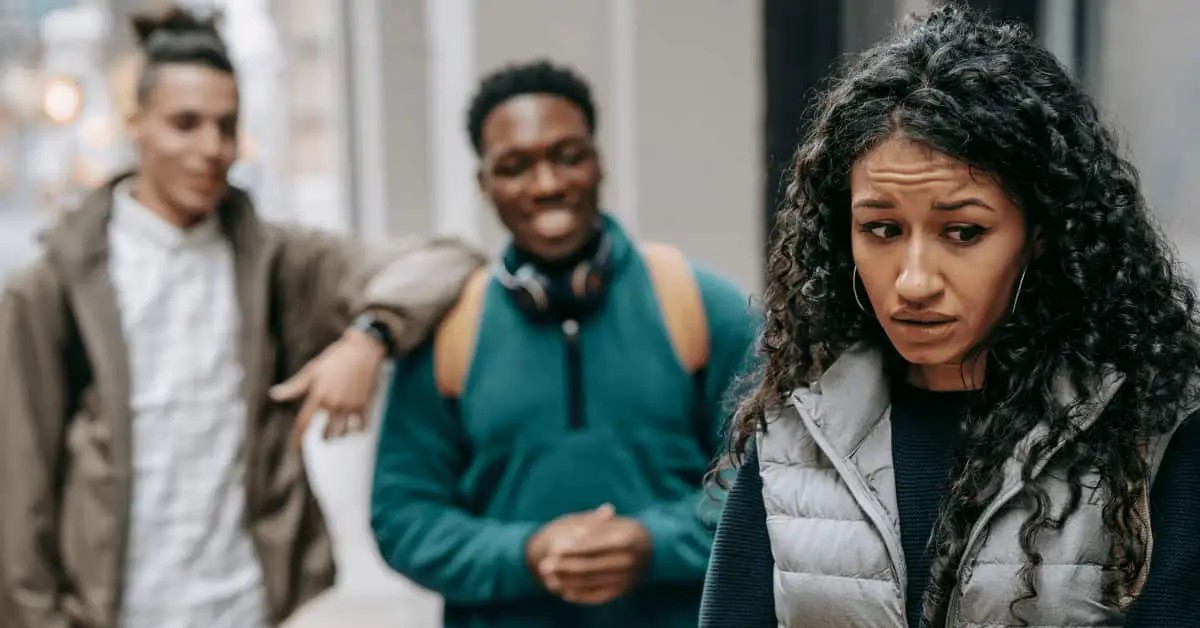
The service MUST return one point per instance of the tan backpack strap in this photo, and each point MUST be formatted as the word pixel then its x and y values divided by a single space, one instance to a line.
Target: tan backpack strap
pixel 454 341
pixel 681 303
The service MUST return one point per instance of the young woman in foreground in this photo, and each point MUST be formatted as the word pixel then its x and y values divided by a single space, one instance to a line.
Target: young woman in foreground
pixel 979 363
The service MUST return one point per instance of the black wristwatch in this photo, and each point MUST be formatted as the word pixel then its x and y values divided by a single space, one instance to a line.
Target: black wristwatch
pixel 370 325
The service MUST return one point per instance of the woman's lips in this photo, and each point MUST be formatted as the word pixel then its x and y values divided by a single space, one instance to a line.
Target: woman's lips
pixel 924 331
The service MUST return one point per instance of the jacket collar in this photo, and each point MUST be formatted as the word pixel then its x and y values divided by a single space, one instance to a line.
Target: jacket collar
pixel 131 217
pixel 852 397
pixel 80 240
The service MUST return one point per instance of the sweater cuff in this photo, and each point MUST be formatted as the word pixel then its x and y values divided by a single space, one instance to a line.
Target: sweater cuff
pixel 665 563
pixel 516 579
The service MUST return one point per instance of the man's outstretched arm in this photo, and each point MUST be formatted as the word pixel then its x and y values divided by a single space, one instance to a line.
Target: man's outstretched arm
pixel 402 290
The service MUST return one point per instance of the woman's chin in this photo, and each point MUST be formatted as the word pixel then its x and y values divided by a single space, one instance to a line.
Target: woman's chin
pixel 931 355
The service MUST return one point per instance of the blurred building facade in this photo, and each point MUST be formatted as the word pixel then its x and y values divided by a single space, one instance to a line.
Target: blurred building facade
pixel 678 88
pixel 354 111
pixel 67 72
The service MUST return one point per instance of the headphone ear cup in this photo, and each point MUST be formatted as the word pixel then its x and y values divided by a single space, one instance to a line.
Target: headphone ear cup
pixel 532 294
pixel 580 280
pixel 524 300
pixel 527 288
pixel 540 296
pixel 588 283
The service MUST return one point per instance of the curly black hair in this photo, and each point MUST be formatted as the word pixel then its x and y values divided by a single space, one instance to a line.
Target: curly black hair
pixel 1106 291
pixel 535 77
pixel 177 36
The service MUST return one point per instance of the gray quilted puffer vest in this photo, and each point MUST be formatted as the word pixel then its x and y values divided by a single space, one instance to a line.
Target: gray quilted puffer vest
pixel 830 496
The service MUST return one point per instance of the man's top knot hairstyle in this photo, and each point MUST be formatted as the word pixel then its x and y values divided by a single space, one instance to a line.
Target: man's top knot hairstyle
pixel 178 36
pixel 537 77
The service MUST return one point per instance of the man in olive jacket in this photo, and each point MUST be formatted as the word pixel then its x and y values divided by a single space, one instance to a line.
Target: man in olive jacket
pixel 148 473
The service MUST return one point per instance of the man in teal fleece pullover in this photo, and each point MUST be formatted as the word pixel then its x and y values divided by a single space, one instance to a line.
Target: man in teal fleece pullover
pixel 556 480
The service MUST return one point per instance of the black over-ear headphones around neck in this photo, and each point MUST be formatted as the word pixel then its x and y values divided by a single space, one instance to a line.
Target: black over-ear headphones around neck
pixel 572 293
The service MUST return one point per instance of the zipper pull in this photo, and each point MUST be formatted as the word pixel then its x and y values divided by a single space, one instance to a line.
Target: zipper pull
pixel 570 328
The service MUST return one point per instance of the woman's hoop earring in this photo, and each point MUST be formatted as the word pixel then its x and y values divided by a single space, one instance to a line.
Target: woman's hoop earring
pixel 1017 294
pixel 854 288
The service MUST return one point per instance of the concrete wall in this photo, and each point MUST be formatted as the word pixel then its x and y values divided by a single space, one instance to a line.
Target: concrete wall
pixel 1144 77
pixel 677 84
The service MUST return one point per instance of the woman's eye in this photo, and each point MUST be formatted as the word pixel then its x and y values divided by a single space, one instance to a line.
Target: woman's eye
pixel 964 234
pixel 882 230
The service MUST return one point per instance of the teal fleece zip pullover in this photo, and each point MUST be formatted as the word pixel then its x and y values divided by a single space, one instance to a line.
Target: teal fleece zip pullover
pixel 543 429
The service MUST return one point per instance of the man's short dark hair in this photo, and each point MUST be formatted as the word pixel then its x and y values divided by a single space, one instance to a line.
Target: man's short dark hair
pixel 536 77
pixel 177 36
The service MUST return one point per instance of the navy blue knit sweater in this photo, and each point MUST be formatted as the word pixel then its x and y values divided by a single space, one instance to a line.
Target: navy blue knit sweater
pixel 738 592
